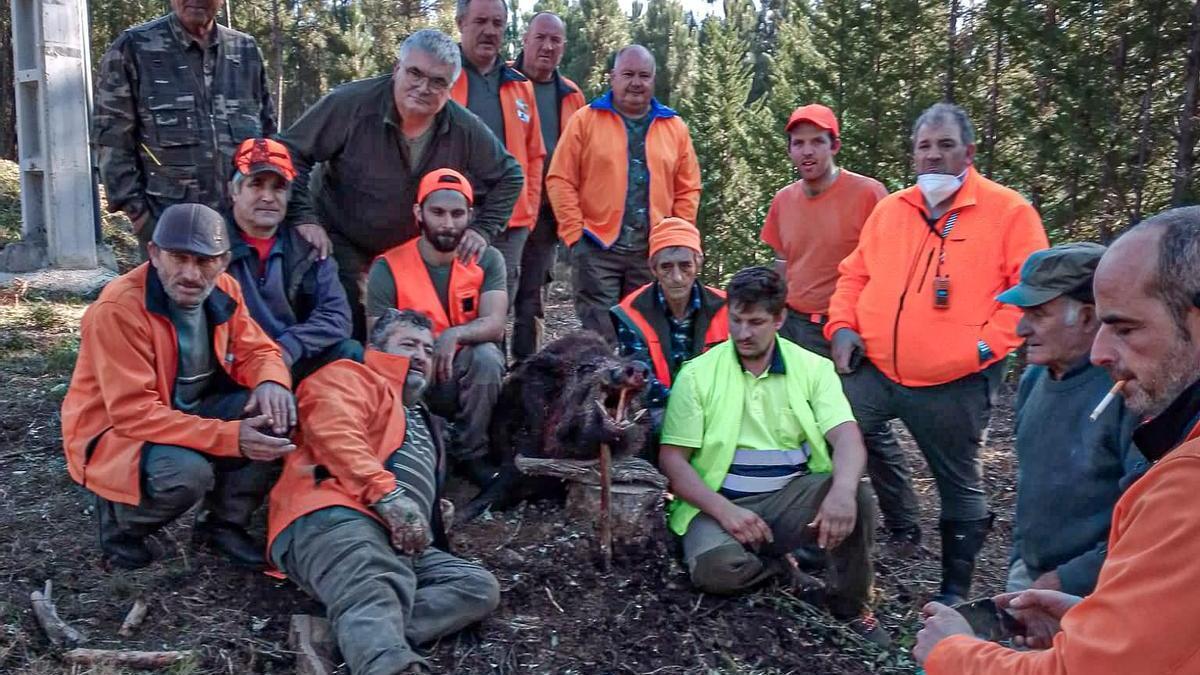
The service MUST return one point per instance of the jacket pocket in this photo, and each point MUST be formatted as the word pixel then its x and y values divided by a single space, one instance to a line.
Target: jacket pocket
pixel 169 183
pixel 175 119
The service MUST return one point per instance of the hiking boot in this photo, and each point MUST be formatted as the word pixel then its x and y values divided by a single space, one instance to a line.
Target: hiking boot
pixel 961 542
pixel 904 542
pixel 231 540
pixel 868 628
pixel 120 547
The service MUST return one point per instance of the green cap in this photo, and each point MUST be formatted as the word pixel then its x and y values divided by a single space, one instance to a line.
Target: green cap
pixel 1052 272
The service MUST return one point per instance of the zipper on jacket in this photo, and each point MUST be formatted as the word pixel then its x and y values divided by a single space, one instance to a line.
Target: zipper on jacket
pixel 900 307
pixel 928 262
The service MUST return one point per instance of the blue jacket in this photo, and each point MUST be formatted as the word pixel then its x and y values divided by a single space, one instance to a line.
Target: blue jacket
pixel 298 300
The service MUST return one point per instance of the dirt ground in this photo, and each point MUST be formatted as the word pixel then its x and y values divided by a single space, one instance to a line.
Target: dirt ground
pixel 558 613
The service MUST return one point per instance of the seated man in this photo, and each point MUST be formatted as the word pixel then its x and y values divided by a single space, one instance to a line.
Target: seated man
pixel 292 293
pixel 465 298
pixel 354 515
pixel 674 318
pixel 1059 543
pixel 749 440
pixel 177 396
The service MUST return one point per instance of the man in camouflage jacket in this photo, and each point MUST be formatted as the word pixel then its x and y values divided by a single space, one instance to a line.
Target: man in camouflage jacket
pixel 175 96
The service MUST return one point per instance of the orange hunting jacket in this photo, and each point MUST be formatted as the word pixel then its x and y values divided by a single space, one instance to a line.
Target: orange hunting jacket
pixel 522 137
pixel 121 391
pixel 415 290
pixel 588 176
pixel 886 285
pixel 1144 616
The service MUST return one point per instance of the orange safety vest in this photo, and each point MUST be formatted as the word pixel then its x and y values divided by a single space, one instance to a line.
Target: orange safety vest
pixel 637 308
pixel 522 137
pixel 415 290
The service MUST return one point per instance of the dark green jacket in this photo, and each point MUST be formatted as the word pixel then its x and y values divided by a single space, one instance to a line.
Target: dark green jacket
pixel 364 188
pixel 165 133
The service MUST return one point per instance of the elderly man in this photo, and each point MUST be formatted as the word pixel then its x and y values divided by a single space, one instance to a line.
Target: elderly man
pixel 917 295
pixel 1060 544
pixel 558 98
pixel 291 292
pixel 178 396
pixel 174 98
pixel 624 163
pixel 466 302
pixel 763 456
pixel 366 537
pixel 1141 617
pixel 674 318
pixel 374 139
pixel 503 98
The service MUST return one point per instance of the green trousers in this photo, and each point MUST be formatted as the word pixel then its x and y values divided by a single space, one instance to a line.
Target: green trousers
pixel 381 603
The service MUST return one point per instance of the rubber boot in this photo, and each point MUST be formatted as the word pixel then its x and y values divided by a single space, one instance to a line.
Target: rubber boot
pixel 961 542
pixel 125 546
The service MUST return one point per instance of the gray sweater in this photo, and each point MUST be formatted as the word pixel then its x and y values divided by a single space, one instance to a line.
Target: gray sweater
pixel 1071 473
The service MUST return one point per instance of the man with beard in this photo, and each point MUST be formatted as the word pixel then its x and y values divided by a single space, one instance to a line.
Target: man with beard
pixel 763 456
pixel 465 300
pixel 1141 617
pixel 291 292
pixel 174 98
pixel 178 396
pixel 357 516
pixel 624 163
pixel 558 98
pixel 361 150
pixel 917 298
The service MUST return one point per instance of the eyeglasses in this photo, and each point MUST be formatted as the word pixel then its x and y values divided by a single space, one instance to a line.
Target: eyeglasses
pixel 419 77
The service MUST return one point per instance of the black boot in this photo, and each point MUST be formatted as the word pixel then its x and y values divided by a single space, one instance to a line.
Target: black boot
pixel 127 548
pixel 232 540
pixel 961 542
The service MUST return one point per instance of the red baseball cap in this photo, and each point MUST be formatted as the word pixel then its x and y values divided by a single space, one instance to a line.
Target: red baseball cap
pixel 445 179
pixel 814 113
pixel 263 154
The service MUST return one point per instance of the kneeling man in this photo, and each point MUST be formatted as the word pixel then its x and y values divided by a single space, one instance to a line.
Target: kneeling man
pixel 170 362
pixel 354 515
pixel 749 443
pixel 467 301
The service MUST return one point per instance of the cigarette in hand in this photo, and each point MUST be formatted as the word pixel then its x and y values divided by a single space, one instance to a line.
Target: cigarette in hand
pixel 1107 400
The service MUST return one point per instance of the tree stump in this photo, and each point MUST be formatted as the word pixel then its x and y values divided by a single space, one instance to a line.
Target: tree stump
pixel 637 517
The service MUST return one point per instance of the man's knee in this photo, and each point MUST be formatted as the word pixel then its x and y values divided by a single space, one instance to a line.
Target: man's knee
pixel 486 363
pixel 480 591
pixel 724 570
pixel 176 477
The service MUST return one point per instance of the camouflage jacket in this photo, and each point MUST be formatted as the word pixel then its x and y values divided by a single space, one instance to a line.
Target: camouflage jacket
pixel 165 133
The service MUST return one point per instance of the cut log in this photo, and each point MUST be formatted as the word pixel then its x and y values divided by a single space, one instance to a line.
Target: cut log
pixel 637 520
pixel 133 619
pixel 311 637
pixel 624 470
pixel 58 631
pixel 124 658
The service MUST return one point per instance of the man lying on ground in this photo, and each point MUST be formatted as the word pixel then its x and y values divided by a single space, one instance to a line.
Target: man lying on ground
pixel 178 395
pixel 355 519
pixel 749 443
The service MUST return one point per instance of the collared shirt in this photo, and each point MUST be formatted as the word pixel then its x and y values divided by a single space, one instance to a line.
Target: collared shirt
pixel 680 349
pixel 635 222
pixel 1160 435
pixel 483 95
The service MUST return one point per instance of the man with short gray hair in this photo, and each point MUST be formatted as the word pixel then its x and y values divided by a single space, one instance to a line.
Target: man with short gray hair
pixel 361 150
pixel 916 297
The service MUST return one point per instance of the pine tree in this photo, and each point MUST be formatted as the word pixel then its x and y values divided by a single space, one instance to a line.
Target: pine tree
pixel 666 32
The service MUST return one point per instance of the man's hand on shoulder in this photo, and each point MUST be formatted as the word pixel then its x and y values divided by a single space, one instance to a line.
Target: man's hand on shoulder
pixel 317 237
pixel 276 402
pixel 471 246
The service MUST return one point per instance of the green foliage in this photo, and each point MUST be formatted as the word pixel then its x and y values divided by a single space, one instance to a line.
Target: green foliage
pixel 10 202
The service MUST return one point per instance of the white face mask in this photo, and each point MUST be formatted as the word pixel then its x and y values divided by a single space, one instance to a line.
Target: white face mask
pixel 938 187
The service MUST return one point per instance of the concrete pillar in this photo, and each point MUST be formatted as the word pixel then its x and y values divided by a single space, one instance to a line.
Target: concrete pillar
pixel 53 91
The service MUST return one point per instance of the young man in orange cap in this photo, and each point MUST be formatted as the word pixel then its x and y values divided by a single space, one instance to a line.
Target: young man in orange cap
pixel 673 318
pixel 467 303
pixel 290 291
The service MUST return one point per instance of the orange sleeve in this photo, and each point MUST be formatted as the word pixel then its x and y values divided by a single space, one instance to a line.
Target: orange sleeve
pixel 852 278
pixel 770 229
pixel 256 357
pixel 1024 235
pixel 1142 616
pixel 535 149
pixel 687 181
pixel 563 180
pixel 335 410
pixel 128 381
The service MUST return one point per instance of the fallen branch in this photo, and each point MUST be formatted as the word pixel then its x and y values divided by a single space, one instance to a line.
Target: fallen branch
pixel 625 470
pixel 124 658
pixel 58 631
pixel 135 617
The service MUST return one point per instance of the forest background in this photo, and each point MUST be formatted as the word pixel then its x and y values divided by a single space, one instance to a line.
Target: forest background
pixel 1087 107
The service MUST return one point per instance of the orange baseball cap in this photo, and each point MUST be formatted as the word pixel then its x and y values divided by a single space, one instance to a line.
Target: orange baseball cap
pixel 445 179
pixel 263 154
pixel 674 232
pixel 814 113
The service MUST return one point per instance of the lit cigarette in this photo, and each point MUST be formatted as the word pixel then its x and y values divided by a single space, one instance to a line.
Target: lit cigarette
pixel 1108 399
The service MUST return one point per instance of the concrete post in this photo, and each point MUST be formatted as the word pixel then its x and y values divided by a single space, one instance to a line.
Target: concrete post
pixel 52 94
